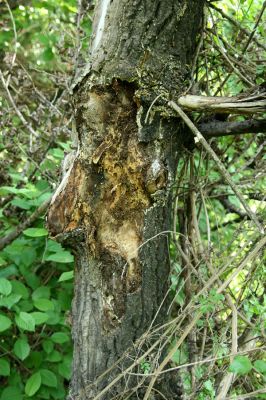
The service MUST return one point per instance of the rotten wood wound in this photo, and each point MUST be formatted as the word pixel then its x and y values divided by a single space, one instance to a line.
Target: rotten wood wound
pixel 107 196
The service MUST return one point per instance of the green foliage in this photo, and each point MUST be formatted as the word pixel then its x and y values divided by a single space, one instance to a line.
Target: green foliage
pixel 260 366
pixel 34 331
pixel 40 47
pixel 33 384
pixel 213 229
pixel 241 365
pixel 145 367
pixel 210 302
pixel 39 44
pixel 21 348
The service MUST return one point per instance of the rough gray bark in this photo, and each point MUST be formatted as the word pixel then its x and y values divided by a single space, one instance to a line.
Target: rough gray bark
pixel 115 194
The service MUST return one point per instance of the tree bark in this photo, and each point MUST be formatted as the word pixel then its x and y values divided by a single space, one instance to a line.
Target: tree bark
pixel 223 128
pixel 113 203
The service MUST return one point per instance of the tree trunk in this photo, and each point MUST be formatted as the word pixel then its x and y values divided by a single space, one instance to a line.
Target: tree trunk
pixel 113 204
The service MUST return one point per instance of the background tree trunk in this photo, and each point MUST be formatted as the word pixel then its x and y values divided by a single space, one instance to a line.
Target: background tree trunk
pixel 115 194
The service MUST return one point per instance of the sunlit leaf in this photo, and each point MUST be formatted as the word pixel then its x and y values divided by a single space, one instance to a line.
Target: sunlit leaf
pixel 22 349
pixel 66 276
pixel 5 323
pixel 5 287
pixel 35 232
pixel 241 365
pixel 33 384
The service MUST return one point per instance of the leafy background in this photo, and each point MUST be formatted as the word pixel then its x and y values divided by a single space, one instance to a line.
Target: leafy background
pixel 42 43
pixel 40 46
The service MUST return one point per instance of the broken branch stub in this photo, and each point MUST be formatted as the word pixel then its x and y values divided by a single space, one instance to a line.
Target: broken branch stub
pixel 225 105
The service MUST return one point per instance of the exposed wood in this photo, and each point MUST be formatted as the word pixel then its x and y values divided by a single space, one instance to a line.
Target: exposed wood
pixel 226 105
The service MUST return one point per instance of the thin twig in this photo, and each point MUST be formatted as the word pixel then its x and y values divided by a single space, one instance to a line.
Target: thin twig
pixel 21 117
pixel 247 396
pixel 15 37
pixel 237 24
pixel 218 162
pixel 255 27
pixel 228 379
pixel 245 47
pixel 200 362
pixel 171 354
pixel 28 222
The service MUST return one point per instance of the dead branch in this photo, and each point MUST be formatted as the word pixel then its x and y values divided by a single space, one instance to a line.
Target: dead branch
pixel 220 128
pixel 220 166
pixel 224 105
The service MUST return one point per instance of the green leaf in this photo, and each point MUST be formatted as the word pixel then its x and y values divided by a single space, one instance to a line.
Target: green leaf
pixel 24 204
pixel 58 393
pixel 28 256
pixel 25 321
pixel 48 346
pixel 61 257
pixel 11 393
pixel 209 386
pixel 8 189
pixel 66 276
pixel 21 349
pixel 35 232
pixel 54 318
pixel 60 337
pixel 48 54
pixel 55 356
pixel 8 271
pixel 260 365
pixel 35 359
pixel 57 153
pixel 48 378
pixel 44 39
pixel 2 262
pixel 39 317
pixel 43 304
pixel 42 292
pixel 5 323
pixel 241 365
pixel 31 193
pixel 53 246
pixel 33 384
pixel 10 300
pixel 4 367
pixel 64 368
pixel 19 288
pixel 5 287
